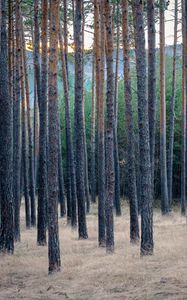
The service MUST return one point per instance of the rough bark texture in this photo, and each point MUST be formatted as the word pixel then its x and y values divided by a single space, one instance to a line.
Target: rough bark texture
pixel 110 171
pixel 117 202
pixel 163 165
pixel 143 122
pixel 70 151
pixel 42 166
pixel 65 34
pixel 99 28
pixel 132 190
pixel 6 145
pixel 87 193
pixel 151 80
pixel 184 111
pixel 79 123
pixel 37 79
pixel 17 131
pixel 61 174
pixel 53 152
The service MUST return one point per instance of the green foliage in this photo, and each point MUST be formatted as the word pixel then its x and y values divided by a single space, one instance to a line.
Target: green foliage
pixel 122 139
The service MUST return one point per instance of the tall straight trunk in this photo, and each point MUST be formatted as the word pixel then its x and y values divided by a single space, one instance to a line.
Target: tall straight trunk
pixel 24 143
pixel 42 164
pixel 163 165
pixel 143 122
pixel 35 133
pixel 70 151
pixel 17 130
pixel 79 122
pixel 99 28
pixel 10 47
pixel 151 80
pixel 93 142
pixel 64 52
pixel 172 112
pixel 37 80
pixel 61 174
pixel 53 152
pixel 87 194
pixel 110 171
pixel 30 135
pixel 132 189
pixel 65 34
pixel 6 145
pixel 116 152
pixel 184 111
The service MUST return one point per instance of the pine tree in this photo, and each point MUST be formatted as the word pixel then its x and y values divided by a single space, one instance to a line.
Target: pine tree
pixel 110 172
pixel 151 81
pixel 132 190
pixel 42 164
pixel 53 152
pixel 143 122
pixel 79 122
pixel 6 145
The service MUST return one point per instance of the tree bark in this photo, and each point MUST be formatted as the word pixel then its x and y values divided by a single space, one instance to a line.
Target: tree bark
pixel 132 189
pixel 17 130
pixel 53 152
pixel 110 171
pixel 117 201
pixel 184 111
pixel 143 122
pixel 79 122
pixel 151 81
pixel 99 28
pixel 42 164
pixel 6 145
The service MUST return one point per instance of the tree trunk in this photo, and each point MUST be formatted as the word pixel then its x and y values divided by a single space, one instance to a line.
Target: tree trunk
pixel 87 194
pixel 53 152
pixel 151 81
pixel 110 171
pixel 6 145
pixel 79 123
pixel 61 175
pixel 65 35
pixel 70 151
pixel 37 79
pixel 99 28
pixel 42 164
pixel 163 166
pixel 143 122
pixel 132 189
pixel 17 131
pixel 116 153
pixel 184 111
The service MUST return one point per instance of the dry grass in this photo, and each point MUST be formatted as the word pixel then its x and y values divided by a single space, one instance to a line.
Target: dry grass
pixel 88 273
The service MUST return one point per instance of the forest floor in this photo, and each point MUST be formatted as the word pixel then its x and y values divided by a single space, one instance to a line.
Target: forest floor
pixel 89 274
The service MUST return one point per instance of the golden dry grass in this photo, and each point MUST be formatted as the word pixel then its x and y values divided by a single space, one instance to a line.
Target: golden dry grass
pixel 88 273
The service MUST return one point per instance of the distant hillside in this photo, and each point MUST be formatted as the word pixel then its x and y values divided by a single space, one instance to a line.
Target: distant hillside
pixel 88 65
